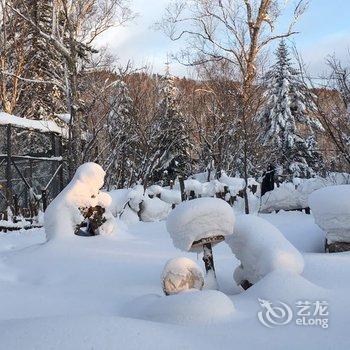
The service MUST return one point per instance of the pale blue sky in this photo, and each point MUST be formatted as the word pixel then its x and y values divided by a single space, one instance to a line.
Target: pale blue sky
pixel 324 30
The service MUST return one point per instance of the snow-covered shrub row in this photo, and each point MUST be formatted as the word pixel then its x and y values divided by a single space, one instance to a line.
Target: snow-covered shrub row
pixel 331 209
pixel 155 203
pixel 66 211
pixel 261 249
pixel 180 274
pixel 295 195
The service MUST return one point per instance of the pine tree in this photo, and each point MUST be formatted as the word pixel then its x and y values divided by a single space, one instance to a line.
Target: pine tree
pixel 122 135
pixel 171 136
pixel 287 122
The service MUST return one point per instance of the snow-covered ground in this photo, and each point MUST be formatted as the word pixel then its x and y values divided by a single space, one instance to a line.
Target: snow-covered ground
pixel 104 292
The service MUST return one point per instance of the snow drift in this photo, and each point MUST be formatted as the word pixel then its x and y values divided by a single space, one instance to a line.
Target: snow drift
pixel 191 307
pixel 261 248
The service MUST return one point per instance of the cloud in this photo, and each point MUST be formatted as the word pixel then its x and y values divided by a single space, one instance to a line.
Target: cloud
pixel 316 53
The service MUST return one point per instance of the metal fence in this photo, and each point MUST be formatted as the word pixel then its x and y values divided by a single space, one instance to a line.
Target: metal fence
pixel 31 170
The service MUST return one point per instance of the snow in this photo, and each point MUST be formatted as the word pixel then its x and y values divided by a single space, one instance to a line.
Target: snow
pixel 281 198
pixel 197 219
pixel 63 214
pixel 236 183
pixel 31 124
pixel 180 274
pixel 190 307
pixel 104 292
pixel 193 185
pixel 119 199
pixel 154 209
pixel 261 248
pixel 331 209
pixel 170 196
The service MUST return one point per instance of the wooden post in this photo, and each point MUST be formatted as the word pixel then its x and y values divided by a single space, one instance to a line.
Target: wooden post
pixel 211 281
pixel 208 258
pixel 44 198
pixel 182 188
pixel 8 165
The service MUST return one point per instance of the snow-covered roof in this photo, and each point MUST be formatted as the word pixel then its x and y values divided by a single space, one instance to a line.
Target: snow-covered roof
pixel 32 124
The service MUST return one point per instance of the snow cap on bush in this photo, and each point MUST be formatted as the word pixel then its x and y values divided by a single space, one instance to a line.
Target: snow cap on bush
pixel 64 214
pixel 331 209
pixel 199 218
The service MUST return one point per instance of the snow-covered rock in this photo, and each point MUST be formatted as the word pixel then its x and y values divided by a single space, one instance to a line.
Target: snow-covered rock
pixel 181 274
pixel 197 219
pixel 64 212
pixel 261 248
pixel 331 209
pixel 190 307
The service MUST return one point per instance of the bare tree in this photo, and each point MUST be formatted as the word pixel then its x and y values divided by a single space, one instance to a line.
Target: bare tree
pixel 232 31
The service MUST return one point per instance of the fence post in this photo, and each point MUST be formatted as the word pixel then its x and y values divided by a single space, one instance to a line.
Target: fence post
pixel 44 198
pixel 8 165
pixel 182 188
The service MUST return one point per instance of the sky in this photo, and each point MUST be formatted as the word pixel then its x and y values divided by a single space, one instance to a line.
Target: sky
pixel 323 30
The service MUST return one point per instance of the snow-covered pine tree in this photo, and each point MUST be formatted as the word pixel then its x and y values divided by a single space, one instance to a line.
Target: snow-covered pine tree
pixel 172 141
pixel 122 139
pixel 288 127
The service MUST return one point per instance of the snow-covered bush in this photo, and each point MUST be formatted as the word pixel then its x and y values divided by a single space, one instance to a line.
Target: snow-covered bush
pixel 154 209
pixel 197 219
pixel 119 199
pixel 139 204
pixel 193 186
pixel 261 248
pixel 285 197
pixel 170 196
pixel 331 209
pixel 66 211
pixel 180 274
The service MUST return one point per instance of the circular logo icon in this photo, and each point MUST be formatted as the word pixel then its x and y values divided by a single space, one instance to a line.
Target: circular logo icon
pixel 272 315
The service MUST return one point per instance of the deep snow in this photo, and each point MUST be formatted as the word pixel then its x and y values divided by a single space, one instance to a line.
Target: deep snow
pixel 102 292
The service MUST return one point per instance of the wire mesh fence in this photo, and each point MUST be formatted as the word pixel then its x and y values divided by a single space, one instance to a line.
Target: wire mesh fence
pixel 31 170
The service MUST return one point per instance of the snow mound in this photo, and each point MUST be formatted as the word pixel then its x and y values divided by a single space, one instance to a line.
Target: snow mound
pixel 282 198
pixel 63 214
pixel 331 209
pixel 197 219
pixel 261 248
pixel 181 274
pixel 119 200
pixel 154 209
pixel 193 185
pixel 191 307
pixel 170 196
pixel 287 286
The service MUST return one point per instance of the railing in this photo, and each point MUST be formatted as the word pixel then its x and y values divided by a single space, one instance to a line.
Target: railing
pixel 31 172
